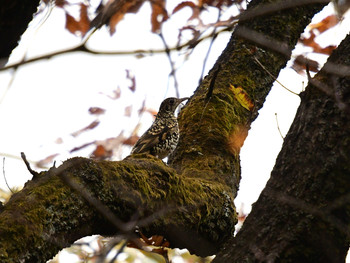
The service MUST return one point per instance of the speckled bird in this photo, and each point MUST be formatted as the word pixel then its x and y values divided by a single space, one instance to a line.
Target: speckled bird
pixel 162 137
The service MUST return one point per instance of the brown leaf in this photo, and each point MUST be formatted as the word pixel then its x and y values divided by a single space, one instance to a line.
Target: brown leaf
pixel 44 162
pixel 237 138
pixel 59 140
pixel 299 64
pixel 131 140
pixel 96 110
pixel 84 19
pixel 59 3
pixel 327 23
pixel 193 6
pixel 159 14
pixel 91 126
pixel 82 26
pixel 100 153
pixel 128 111
pixel 132 78
pixel 242 97
pixel 115 11
pixel 72 25
pixel 217 3
pixel 81 147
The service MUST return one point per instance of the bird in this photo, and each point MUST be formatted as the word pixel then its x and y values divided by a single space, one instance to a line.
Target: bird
pixel 162 137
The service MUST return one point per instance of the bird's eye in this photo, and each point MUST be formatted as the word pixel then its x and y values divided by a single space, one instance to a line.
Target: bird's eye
pixel 171 101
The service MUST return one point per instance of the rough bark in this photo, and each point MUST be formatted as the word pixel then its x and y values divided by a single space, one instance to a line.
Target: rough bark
pixel 197 196
pixel 303 214
pixel 15 16
pixel 47 215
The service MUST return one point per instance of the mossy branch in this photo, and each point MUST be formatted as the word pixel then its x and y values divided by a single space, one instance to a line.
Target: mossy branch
pixel 50 215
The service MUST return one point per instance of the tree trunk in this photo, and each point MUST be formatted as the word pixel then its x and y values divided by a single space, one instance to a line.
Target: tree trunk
pixel 192 204
pixel 14 18
pixel 303 214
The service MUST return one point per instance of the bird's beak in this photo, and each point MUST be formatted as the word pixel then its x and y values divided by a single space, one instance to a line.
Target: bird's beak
pixel 181 100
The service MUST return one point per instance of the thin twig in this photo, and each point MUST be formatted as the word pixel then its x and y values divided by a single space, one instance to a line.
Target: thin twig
pixel 3 172
pixel 34 173
pixel 209 49
pixel 278 126
pixel 269 73
pixel 172 65
pixel 83 48
pixel 210 90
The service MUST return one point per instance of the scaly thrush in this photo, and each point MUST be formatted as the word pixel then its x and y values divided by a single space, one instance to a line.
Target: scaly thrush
pixel 162 137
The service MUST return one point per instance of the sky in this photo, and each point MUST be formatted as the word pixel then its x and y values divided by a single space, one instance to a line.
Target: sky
pixel 49 100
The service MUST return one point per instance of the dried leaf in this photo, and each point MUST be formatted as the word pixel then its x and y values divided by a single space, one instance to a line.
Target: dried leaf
pixel 82 26
pixel 237 138
pixel 100 153
pixel 132 78
pixel 195 9
pixel 81 147
pixel 128 111
pixel 159 14
pixel 216 3
pixel 45 162
pixel 242 97
pixel 131 140
pixel 327 23
pixel 58 3
pixel 91 126
pixel 115 11
pixel 72 25
pixel 96 110
pixel 310 42
pixel 84 19
pixel 299 64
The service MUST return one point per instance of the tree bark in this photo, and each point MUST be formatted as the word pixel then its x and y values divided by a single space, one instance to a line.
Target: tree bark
pixel 190 204
pixel 303 214
pixel 15 16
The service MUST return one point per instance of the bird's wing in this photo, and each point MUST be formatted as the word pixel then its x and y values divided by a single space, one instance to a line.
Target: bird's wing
pixel 149 139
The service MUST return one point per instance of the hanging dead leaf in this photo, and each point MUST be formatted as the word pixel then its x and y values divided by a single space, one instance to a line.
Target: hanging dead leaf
pixel 217 3
pixel 81 147
pixel 159 14
pixel 84 19
pixel 128 111
pixel 242 97
pixel 237 138
pixel 83 25
pixel 96 111
pixel 327 23
pixel 195 9
pixel 113 12
pixel 311 42
pixel 100 153
pixel 91 126
pixel 131 140
pixel 47 161
pixel 59 140
pixel 300 62
pixel 132 78
pixel 58 3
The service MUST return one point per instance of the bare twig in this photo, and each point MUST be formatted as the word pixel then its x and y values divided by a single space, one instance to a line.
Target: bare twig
pixel 3 172
pixel 209 49
pixel 269 73
pixel 278 127
pixel 34 173
pixel 172 65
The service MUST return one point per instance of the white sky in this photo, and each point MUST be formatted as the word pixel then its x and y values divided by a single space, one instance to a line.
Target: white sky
pixel 49 99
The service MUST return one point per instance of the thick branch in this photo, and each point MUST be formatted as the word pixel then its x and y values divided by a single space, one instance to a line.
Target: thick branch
pixel 15 16
pixel 303 213
pixel 47 215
